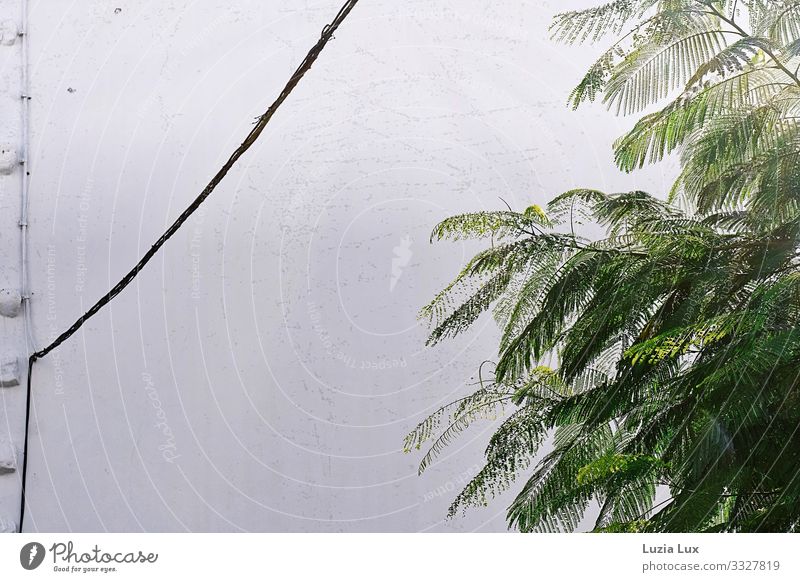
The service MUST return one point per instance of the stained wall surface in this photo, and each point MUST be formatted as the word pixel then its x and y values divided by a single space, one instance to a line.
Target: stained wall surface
pixel 12 329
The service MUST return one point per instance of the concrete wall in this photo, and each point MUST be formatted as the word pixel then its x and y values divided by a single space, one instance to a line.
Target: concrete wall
pixel 12 330
pixel 261 373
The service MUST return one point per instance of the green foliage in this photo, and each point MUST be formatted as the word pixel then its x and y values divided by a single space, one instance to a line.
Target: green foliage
pixel 676 333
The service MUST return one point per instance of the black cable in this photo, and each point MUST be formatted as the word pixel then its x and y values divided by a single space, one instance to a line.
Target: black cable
pixel 261 123
pixel 31 360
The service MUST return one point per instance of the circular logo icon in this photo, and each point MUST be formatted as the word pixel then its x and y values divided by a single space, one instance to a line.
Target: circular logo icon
pixel 31 555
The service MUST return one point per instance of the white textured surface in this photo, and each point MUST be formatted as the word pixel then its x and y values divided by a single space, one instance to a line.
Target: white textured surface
pixel 9 159
pixel 7 525
pixel 9 32
pixel 8 458
pixel 9 372
pixel 262 372
pixel 10 299
pixel 12 337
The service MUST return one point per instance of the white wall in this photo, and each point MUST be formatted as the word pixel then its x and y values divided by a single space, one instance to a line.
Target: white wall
pixel 12 336
pixel 233 386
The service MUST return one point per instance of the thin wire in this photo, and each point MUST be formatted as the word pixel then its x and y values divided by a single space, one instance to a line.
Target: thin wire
pixel 261 123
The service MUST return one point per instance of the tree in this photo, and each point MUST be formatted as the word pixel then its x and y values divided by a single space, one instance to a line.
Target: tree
pixel 675 335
